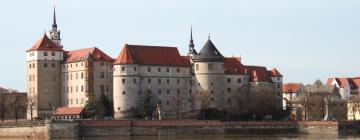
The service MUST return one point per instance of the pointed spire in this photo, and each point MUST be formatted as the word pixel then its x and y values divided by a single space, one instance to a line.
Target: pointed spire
pixel 54 20
pixel 191 37
pixel 191 44
pixel 209 36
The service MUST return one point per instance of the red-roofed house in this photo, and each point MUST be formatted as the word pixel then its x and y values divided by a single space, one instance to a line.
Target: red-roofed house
pixel 348 86
pixel 290 91
pixel 68 113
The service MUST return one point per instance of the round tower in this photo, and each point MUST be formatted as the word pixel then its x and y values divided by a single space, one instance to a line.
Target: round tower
pixel 126 85
pixel 209 73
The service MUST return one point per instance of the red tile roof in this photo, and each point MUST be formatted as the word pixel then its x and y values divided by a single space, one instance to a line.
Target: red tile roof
pixel 292 87
pixel 151 55
pixel 258 74
pixel 82 54
pixel 342 82
pixel 354 83
pixel 44 44
pixel 68 111
pixel 234 66
pixel 275 73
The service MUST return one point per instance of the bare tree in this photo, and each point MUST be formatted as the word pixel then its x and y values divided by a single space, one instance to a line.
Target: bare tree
pixel 177 104
pixel 262 101
pixel 2 106
pixel 203 99
pixel 31 103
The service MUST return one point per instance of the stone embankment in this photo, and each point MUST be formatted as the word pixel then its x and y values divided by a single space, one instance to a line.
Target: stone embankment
pixel 104 128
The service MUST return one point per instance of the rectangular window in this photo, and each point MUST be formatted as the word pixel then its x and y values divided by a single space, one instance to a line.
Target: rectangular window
pixel 167 69
pixel 52 53
pixel 45 65
pixel 102 89
pixel 134 68
pixel 197 67
pixel 53 65
pixel 82 75
pixel 167 81
pixel 159 81
pixel 107 88
pixel 134 81
pixel 159 91
pixel 178 91
pixel 122 68
pixel 168 91
pixel 45 53
pixel 159 69
pixel 229 80
pixel 178 81
pixel 123 81
pixel 82 88
pixel 149 69
pixel 177 70
pixel 149 80
pixel 210 66
pixel 228 89
pixel 102 75
pixel 239 80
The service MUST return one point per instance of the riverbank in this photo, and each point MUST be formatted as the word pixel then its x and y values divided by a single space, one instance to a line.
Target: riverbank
pixel 111 128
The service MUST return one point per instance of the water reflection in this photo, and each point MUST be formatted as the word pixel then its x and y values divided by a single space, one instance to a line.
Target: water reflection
pixel 215 137
pixel 231 137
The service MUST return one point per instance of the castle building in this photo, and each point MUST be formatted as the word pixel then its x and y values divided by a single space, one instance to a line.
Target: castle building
pixel 171 78
pixel 59 78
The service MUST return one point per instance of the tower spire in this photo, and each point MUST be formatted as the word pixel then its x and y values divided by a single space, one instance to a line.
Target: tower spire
pixel 54 19
pixel 192 50
pixel 54 32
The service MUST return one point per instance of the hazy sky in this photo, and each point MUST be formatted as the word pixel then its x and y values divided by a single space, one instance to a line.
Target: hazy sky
pixel 305 39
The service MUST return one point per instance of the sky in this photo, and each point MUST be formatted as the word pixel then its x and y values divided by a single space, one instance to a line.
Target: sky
pixel 304 39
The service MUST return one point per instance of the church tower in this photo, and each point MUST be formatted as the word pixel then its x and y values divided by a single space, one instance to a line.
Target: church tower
pixel 43 62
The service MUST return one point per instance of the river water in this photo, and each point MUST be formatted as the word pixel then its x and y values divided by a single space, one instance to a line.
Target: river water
pixel 215 137
pixel 233 137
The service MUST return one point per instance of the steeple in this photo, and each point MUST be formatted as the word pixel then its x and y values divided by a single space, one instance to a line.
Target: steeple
pixel 55 33
pixel 54 20
pixel 192 50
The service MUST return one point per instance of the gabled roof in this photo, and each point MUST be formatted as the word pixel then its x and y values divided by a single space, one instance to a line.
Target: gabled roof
pixel 209 53
pixel 258 74
pixel 68 111
pixel 233 66
pixel 292 87
pixel 275 73
pixel 44 44
pixel 151 55
pixel 87 53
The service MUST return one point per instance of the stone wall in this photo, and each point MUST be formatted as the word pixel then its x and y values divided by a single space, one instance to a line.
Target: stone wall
pixel 113 128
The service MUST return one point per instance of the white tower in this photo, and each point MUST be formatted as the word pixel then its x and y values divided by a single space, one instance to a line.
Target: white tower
pixel 209 73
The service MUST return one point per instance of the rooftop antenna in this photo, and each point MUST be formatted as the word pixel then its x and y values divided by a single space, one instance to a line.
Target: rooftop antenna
pixel 209 36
